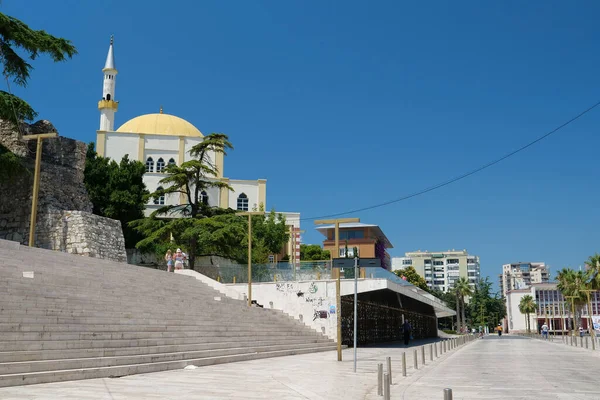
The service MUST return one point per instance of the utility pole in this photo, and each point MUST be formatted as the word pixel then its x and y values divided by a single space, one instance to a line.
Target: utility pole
pixel 250 214
pixel 590 321
pixel 338 283
pixel 573 309
pixel 36 181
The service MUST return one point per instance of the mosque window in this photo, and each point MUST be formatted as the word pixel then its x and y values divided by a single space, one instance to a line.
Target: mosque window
pixel 204 197
pixel 172 162
pixel 160 200
pixel 149 165
pixel 108 96
pixel 242 202
pixel 160 165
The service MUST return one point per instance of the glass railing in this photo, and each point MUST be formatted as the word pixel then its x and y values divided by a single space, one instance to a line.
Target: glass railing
pixel 270 272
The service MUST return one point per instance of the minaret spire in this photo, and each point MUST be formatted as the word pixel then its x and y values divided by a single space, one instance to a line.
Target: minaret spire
pixel 108 106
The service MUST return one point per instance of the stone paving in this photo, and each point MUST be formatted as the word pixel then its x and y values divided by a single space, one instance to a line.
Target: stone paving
pixel 492 368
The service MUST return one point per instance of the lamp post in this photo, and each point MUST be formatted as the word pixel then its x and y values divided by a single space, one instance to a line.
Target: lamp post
pixel 590 321
pixel 338 283
pixel 250 214
pixel 36 181
pixel 573 309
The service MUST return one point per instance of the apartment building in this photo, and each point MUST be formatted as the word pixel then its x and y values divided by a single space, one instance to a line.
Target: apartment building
pixel 521 275
pixel 441 270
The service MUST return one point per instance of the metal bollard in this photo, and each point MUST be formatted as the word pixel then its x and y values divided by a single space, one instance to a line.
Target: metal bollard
pixel 389 368
pixel 415 359
pixel 586 343
pixel 580 341
pixel 403 364
pixel 435 350
pixel 386 387
pixel 571 340
pixel 423 355
pixel 444 346
pixel 447 394
pixel 379 379
pixel 430 352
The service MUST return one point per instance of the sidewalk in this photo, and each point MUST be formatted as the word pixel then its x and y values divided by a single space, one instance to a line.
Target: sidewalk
pixel 510 367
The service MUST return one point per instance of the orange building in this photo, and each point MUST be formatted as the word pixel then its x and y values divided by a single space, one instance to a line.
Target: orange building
pixel 359 236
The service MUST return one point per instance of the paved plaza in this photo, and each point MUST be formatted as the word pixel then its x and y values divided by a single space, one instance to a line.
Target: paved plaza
pixel 493 368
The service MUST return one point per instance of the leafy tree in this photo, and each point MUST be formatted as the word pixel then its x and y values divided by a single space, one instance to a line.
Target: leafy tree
pixel 313 252
pixel 463 290
pixel 411 276
pixel 116 190
pixel 527 306
pixel 593 271
pixel 16 34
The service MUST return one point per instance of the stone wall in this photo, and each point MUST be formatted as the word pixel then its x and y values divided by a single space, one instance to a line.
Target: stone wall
pixel 64 219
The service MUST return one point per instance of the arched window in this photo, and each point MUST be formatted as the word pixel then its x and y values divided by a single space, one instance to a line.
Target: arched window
pixel 172 162
pixel 204 197
pixel 108 96
pixel 242 202
pixel 160 165
pixel 160 200
pixel 149 165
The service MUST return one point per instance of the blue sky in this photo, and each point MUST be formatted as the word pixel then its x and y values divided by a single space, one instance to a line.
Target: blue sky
pixel 340 105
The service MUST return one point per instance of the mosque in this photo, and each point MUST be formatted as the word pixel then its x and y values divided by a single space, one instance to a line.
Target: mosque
pixel 161 139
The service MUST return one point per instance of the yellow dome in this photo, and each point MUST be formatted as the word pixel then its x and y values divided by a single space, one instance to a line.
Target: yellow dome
pixel 160 124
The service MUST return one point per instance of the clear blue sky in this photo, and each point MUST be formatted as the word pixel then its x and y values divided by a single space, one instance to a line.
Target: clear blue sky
pixel 343 104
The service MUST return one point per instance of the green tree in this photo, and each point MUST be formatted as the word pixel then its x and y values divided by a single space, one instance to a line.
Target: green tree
pixel 593 271
pixel 413 277
pixel 313 252
pixel 463 290
pixel 527 306
pixel 189 179
pixel 573 283
pixel 116 190
pixel 16 34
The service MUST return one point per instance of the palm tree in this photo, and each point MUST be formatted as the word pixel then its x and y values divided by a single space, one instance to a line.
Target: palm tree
pixel 464 290
pixel 572 284
pixel 593 270
pixel 527 306
pixel 455 293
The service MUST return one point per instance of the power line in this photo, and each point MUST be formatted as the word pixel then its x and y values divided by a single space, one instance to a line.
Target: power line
pixel 460 177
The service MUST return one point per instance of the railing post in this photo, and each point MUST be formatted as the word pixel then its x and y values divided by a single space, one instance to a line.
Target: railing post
pixel 403 363
pixel 431 352
pixel 423 354
pixel 379 379
pixel 435 349
pixel 386 387
pixel 447 394
pixel 415 359
pixel 580 341
pixel 389 368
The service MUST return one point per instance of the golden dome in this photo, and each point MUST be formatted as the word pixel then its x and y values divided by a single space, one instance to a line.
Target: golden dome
pixel 160 124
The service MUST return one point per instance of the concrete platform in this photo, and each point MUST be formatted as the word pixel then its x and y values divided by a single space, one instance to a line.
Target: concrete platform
pixel 492 368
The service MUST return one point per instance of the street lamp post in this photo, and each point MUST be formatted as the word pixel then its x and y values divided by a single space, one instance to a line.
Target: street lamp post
pixel 250 214
pixel 36 180
pixel 573 309
pixel 338 283
pixel 590 321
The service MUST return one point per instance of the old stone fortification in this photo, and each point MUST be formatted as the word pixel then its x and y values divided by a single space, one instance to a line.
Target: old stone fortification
pixel 64 221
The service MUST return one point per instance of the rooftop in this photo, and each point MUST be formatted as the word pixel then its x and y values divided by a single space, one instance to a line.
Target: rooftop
pixel 378 232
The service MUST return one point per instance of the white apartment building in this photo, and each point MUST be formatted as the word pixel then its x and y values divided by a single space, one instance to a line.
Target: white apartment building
pixel 441 270
pixel 521 275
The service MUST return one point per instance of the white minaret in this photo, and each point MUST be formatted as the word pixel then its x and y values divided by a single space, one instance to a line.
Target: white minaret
pixel 108 106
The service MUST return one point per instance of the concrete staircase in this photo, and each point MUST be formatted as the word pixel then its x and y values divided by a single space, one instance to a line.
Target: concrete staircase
pixel 66 317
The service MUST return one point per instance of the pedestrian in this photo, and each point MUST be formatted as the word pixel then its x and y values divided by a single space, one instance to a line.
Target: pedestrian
pixel 180 258
pixel 169 260
pixel 545 330
pixel 406 332
pixel 499 329
pixel 580 331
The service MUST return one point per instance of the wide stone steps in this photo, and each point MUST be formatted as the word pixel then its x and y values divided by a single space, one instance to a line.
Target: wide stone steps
pixel 65 317
pixel 122 370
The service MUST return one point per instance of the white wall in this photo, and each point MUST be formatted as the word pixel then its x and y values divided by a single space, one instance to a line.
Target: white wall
pixel 189 143
pixel 250 188
pixel 162 142
pixel 516 320
pixel 119 144
pixel 306 301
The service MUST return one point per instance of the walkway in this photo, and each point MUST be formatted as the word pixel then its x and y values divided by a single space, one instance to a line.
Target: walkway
pixel 505 368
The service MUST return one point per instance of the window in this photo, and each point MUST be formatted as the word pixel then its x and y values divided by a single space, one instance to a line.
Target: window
pixel 407 262
pixel 352 234
pixel 452 261
pixel 242 202
pixel 108 96
pixel 438 263
pixel 204 197
pixel 160 165
pixel 160 200
pixel 350 253
pixel 149 165
pixel 427 262
pixel 172 162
